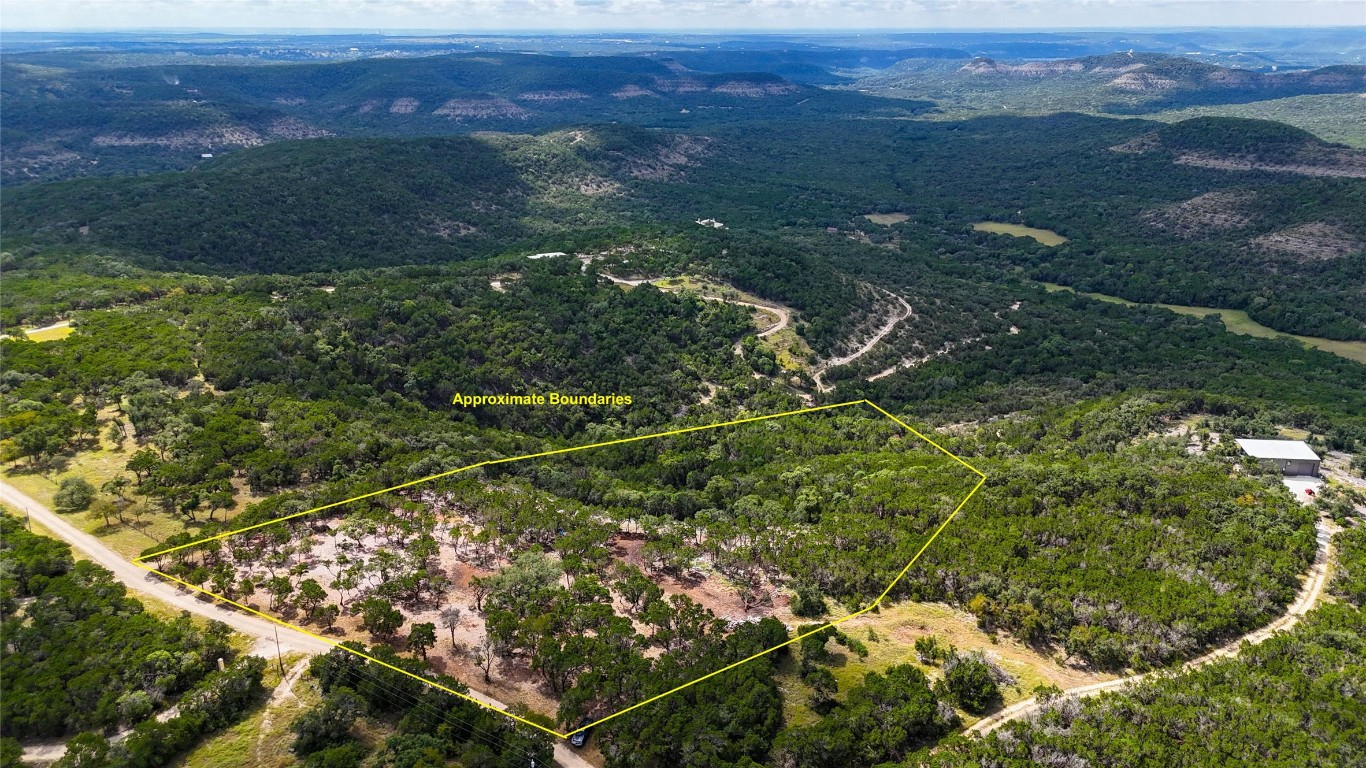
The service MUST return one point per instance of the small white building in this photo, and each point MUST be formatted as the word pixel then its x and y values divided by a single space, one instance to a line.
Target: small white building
pixel 1293 457
pixel 206 155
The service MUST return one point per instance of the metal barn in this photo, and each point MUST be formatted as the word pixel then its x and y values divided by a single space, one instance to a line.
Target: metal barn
pixel 1293 457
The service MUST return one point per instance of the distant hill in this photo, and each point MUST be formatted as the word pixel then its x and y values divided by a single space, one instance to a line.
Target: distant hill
pixel 822 66
pixel 71 122
pixel 1232 143
pixel 1120 83
pixel 326 204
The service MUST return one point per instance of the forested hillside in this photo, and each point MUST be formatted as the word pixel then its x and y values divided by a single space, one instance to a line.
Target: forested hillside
pixel 1285 248
pixel 73 120
pixel 341 203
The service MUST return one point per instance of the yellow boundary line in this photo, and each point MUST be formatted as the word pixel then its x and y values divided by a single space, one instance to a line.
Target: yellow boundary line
pixel 982 478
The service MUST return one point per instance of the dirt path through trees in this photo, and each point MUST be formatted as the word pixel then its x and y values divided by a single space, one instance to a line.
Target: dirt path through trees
pixel 893 319
pixel 1309 595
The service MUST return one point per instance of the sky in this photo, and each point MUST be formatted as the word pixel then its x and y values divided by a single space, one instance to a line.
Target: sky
pixel 697 15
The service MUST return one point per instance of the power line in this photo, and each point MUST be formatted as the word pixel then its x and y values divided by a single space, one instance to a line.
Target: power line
pixel 416 703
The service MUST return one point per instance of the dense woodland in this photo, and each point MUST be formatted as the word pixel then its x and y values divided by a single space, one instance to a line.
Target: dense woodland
pixel 82 659
pixel 376 202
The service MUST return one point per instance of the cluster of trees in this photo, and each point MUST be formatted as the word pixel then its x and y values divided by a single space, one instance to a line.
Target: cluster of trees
pixel 434 727
pixel 1121 549
pixel 1349 576
pixel 883 721
pixel 727 720
pixel 82 659
pixel 80 654
pixel 219 701
pixel 53 391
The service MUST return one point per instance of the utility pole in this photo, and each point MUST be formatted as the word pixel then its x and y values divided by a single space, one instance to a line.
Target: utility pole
pixel 278 658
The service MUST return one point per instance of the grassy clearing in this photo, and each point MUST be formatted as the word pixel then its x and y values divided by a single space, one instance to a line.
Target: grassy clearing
pixel 263 738
pixel 49 334
pixel 1237 321
pixel 791 350
pixel 897 628
pixel 151 526
pixel 705 287
pixel 1046 236
pixel 886 219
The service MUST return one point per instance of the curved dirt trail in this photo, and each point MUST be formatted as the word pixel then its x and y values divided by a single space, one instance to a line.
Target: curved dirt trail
pixel 783 313
pixel 1309 595
pixel 867 347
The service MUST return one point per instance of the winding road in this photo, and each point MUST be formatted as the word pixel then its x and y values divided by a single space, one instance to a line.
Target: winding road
pixel 866 347
pixel 1310 593
pixel 138 580
pixel 785 318
pixel 784 314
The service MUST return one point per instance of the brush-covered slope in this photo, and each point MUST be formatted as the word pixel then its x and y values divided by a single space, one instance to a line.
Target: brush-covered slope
pixel 344 203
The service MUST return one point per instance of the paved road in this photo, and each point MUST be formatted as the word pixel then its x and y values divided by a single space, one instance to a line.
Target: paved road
pixel 139 580
pixel 1310 593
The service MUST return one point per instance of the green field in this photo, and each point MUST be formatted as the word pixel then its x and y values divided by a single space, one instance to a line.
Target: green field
pixel 1237 321
pixel 1045 236
pixel 886 219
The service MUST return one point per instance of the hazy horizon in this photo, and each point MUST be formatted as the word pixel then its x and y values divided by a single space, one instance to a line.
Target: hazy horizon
pixel 395 17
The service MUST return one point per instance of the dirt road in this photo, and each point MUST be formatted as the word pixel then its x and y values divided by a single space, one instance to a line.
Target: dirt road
pixel 138 580
pixel 53 327
pixel 1310 593
pixel 888 327
pixel 783 313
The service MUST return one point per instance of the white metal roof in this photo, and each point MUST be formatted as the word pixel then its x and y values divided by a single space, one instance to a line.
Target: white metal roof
pixel 1278 449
